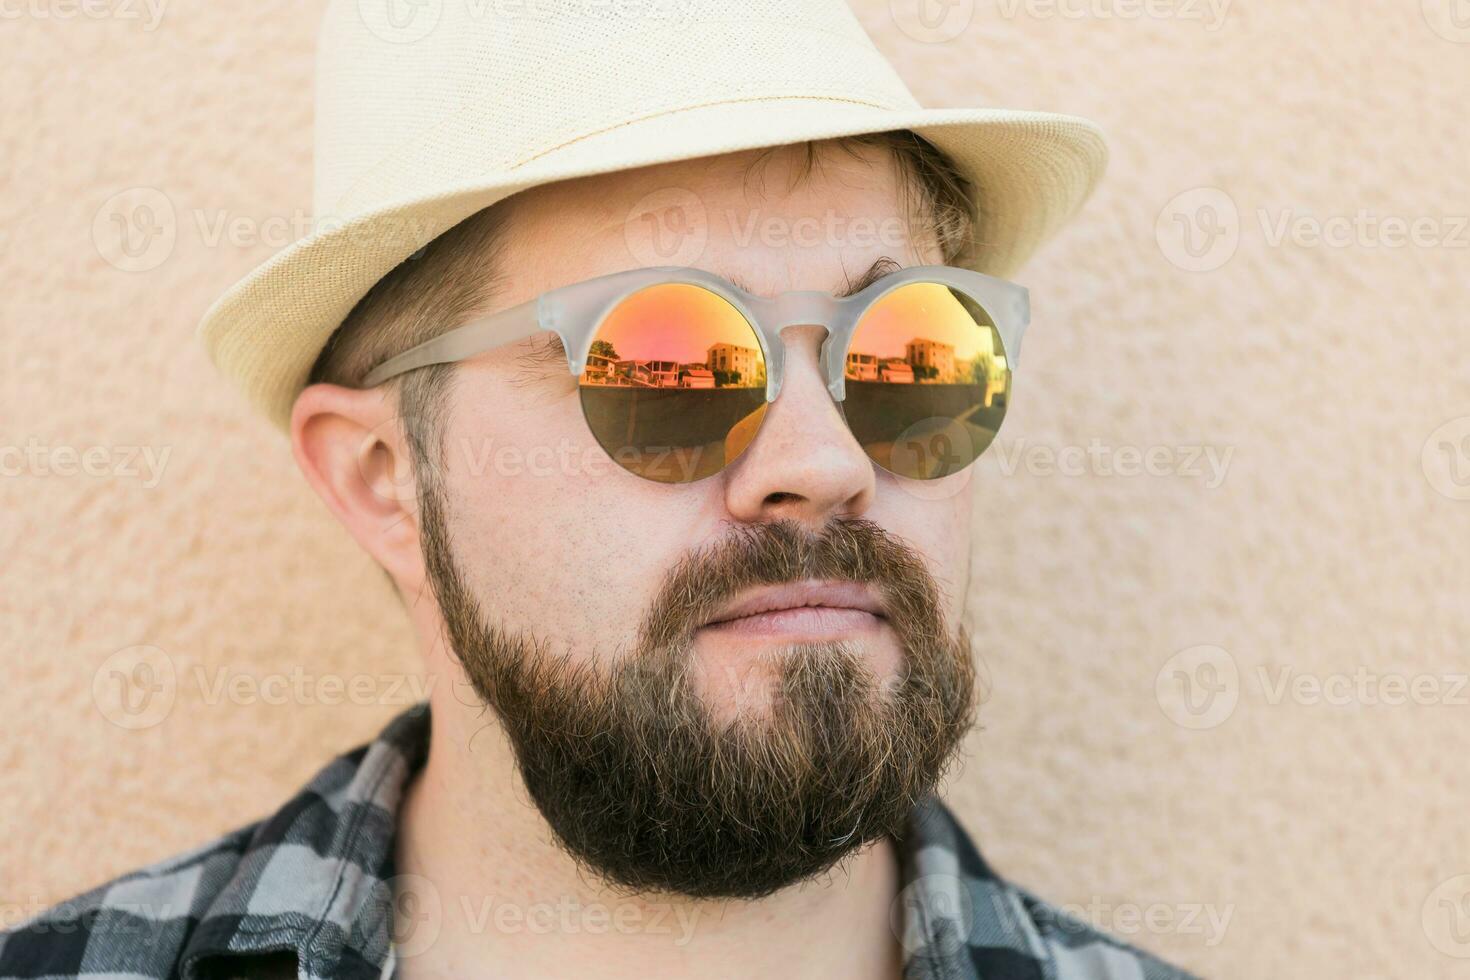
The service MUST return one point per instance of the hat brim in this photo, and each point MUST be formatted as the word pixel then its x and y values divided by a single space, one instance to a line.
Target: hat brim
pixel 1031 172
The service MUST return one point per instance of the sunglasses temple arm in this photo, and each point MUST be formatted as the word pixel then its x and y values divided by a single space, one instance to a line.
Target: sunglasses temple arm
pixel 1013 327
pixel 475 337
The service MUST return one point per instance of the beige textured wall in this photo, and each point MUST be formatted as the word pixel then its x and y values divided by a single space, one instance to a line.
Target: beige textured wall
pixel 1330 829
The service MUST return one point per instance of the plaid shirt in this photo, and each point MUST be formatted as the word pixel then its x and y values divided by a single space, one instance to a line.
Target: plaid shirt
pixel 307 892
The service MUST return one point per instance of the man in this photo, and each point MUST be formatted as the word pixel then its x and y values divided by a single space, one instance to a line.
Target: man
pixel 699 651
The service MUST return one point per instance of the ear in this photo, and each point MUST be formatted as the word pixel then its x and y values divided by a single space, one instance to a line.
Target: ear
pixel 350 445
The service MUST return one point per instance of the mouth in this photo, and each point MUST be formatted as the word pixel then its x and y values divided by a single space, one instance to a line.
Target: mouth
pixel 801 610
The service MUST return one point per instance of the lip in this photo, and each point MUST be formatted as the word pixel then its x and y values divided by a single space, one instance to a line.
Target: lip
pixel 812 606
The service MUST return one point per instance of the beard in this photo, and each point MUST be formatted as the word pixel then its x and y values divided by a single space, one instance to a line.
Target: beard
pixel 650 789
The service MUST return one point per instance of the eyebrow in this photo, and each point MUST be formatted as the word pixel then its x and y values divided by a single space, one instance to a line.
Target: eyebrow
pixel 883 266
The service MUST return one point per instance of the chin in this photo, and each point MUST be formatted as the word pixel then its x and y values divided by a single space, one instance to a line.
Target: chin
pixel 740 678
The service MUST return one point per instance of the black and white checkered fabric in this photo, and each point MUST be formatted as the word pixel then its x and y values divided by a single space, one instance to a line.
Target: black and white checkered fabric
pixel 307 892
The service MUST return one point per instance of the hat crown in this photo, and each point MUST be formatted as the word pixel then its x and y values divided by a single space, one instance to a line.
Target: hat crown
pixel 401 81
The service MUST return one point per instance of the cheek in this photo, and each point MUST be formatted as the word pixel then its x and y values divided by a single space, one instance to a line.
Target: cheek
pixel 552 536
pixel 934 518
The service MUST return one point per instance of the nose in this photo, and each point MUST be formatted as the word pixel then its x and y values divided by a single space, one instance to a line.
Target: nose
pixel 803 464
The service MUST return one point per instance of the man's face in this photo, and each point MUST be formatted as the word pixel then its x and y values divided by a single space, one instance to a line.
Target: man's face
pixel 650 647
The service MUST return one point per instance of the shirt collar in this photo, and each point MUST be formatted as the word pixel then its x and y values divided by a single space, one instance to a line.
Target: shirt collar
pixel 313 878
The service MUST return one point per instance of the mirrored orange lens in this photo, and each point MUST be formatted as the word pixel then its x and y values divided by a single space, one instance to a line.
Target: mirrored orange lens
pixel 675 383
pixel 927 381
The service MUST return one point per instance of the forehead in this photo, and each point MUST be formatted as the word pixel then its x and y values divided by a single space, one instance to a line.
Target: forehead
pixel 768 220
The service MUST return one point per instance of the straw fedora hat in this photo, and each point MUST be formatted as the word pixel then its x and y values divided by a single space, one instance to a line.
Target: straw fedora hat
pixel 430 110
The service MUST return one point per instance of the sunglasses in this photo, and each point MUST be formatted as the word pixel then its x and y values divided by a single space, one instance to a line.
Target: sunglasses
pixel 676 366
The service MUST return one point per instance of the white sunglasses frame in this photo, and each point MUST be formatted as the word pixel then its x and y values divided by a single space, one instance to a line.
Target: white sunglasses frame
pixel 575 313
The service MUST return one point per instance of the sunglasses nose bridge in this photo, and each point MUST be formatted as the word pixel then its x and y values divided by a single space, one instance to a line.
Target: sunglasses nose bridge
pixel 794 309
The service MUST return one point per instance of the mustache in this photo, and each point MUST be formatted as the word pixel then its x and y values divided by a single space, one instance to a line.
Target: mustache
pixel 782 552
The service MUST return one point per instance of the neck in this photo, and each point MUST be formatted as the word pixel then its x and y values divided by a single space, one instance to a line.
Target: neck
pixel 506 901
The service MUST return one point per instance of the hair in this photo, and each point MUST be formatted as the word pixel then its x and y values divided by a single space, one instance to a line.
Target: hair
pixel 457 274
